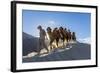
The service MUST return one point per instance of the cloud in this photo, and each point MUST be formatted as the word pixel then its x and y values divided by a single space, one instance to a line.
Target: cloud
pixel 51 22
pixel 85 40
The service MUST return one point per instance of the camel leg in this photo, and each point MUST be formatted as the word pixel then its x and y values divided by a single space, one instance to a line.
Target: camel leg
pixel 51 44
pixel 63 43
pixel 57 40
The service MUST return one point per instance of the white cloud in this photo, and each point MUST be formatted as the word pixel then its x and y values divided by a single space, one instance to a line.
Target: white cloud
pixel 51 22
pixel 85 40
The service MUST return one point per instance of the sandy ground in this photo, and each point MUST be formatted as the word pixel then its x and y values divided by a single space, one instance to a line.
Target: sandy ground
pixel 76 51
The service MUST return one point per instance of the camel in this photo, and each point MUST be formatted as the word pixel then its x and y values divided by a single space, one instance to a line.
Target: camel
pixel 61 33
pixel 73 36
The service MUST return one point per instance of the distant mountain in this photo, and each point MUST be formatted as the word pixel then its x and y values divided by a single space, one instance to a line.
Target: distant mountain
pixel 27 36
pixel 30 43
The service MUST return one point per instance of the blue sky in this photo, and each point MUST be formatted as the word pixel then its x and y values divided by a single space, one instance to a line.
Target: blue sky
pixel 75 21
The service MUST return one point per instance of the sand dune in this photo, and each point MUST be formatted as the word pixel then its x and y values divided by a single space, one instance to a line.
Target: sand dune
pixel 77 51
